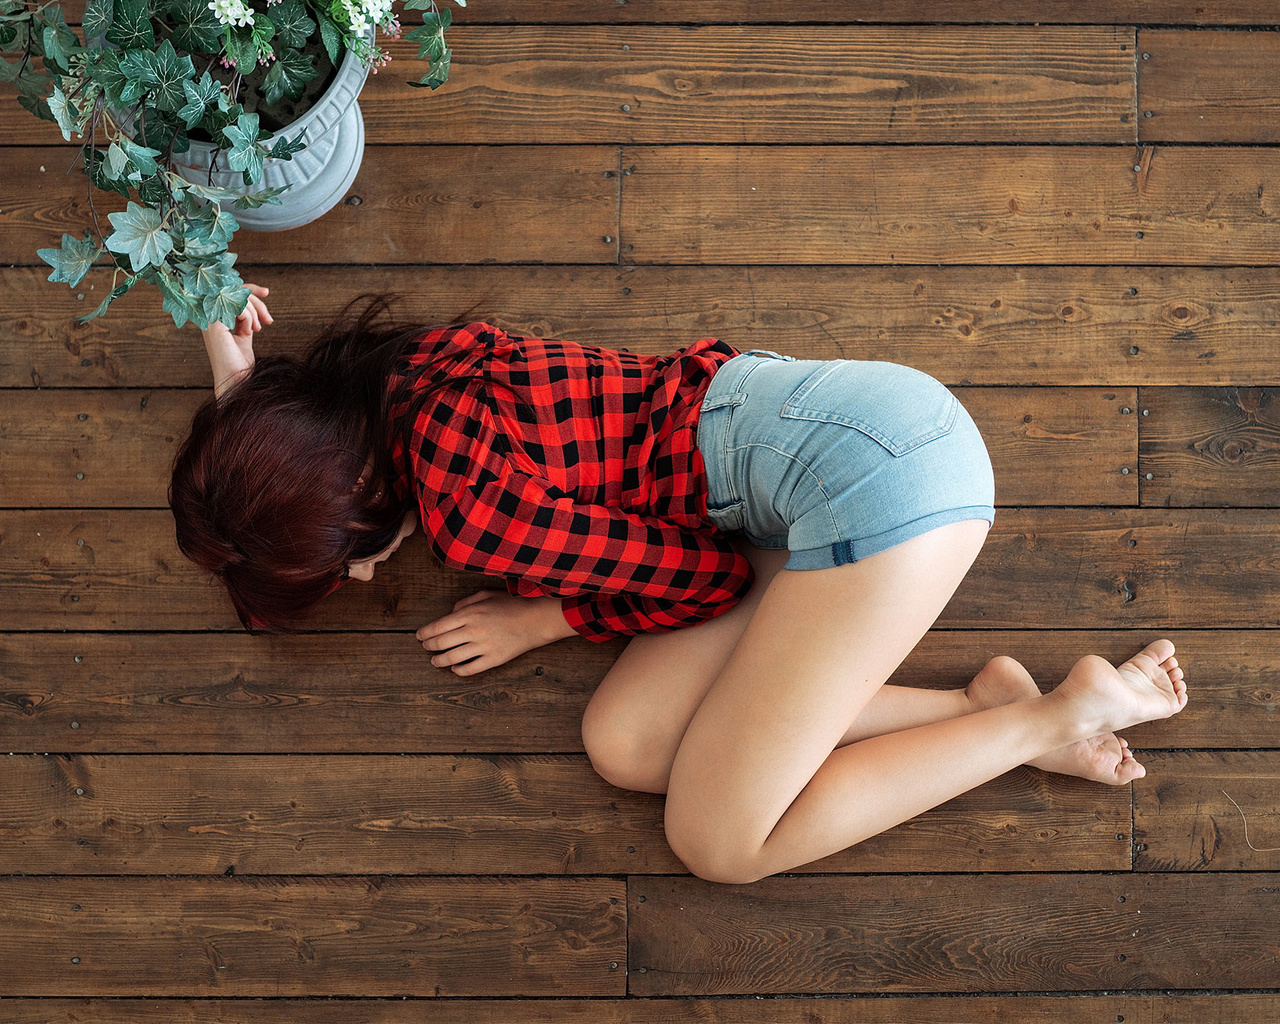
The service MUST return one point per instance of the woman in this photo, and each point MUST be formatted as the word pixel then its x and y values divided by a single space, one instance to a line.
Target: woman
pixel 629 495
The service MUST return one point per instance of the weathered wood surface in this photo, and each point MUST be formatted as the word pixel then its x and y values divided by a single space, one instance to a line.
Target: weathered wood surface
pixel 580 84
pixel 979 325
pixel 1209 446
pixel 1084 1009
pixel 445 204
pixel 952 934
pixel 1208 86
pixel 1041 568
pixel 100 449
pixel 474 815
pixel 1185 820
pixel 1060 1009
pixel 366 692
pixel 312 936
pixel 949 204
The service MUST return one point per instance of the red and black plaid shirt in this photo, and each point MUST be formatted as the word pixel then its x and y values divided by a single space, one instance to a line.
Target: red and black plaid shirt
pixel 593 492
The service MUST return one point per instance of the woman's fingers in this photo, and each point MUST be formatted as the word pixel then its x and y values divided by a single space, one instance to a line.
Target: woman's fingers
pixel 482 595
pixel 440 636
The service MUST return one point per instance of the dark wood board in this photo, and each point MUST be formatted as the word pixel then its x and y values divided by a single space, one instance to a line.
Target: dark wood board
pixel 312 936
pixel 952 934
pixel 978 325
pixel 949 204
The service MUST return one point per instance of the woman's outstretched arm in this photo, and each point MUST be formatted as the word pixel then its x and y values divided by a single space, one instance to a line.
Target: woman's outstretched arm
pixel 231 352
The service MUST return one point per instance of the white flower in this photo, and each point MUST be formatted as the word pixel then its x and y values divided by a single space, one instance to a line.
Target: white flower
pixel 231 12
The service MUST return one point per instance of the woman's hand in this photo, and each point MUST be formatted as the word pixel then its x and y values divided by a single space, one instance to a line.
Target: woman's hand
pixel 492 627
pixel 231 352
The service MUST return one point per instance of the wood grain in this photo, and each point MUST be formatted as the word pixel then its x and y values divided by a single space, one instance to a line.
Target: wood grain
pixel 1040 568
pixel 473 815
pixel 1049 446
pixel 948 204
pixel 1184 818
pixel 312 937
pixel 951 934
pixel 369 693
pixel 581 84
pixel 978 325
pixel 1208 86
pixel 446 204
pixel 1222 1008
pixel 1209 446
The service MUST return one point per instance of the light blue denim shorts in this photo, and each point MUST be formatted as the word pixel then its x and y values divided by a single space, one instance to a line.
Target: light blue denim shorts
pixel 837 459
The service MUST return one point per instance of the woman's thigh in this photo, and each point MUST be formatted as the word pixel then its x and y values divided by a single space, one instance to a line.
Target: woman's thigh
pixel 638 714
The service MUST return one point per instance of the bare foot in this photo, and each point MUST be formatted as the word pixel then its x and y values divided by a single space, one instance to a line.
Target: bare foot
pixel 1147 687
pixel 1105 758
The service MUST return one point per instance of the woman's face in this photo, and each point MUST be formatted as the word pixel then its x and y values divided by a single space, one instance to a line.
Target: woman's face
pixel 363 569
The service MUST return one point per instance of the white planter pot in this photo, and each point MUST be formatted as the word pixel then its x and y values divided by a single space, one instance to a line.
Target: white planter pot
pixel 318 177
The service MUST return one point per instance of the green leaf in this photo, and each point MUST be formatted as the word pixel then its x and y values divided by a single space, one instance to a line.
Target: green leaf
pixel 38 107
pixel 97 18
pixel 240 48
pixel 65 114
pixel 227 303
pixel 165 73
pixel 245 154
pixel 139 234
pixel 288 76
pixel 116 162
pixel 331 36
pixel 131 25
pixel 176 302
pixel 211 192
pixel 196 28
pixel 55 43
pixel 207 275
pixel 200 96
pixel 73 260
pixel 96 169
pixel 210 223
pixel 267 197
pixel 104 67
pixel 283 149
pixel 264 29
pixel 438 75
pixel 154 190
pixel 293 26
pixel 142 158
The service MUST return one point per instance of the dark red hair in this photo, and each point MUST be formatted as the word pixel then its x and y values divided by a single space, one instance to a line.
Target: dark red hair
pixel 266 491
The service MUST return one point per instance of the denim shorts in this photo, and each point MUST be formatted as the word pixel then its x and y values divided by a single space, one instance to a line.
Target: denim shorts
pixel 837 459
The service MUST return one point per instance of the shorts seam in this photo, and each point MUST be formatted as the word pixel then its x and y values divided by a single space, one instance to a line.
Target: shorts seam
pixel 817 481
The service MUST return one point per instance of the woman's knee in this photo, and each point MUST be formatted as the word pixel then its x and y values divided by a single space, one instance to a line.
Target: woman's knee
pixel 620 749
pixel 713 854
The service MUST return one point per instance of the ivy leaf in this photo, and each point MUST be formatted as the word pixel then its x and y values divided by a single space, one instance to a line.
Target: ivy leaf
pixel 283 149
pixel 438 75
pixel 154 190
pixel 267 197
pixel 115 163
pixel 165 72
pixel 63 112
pixel 240 48
pixel 73 260
pixel 140 234
pixel 200 95
pixel 176 302
pixel 131 25
pixel 211 192
pixel 244 154
pixel 104 67
pixel 331 36
pixel 288 76
pixel 142 158
pixel 206 275
pixel 196 29
pixel 228 303
pixel 57 39
pixel 96 168
pixel 97 18
pixel 293 27
pixel 213 224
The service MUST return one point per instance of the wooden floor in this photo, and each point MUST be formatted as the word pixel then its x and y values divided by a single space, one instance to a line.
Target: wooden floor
pixel 1071 218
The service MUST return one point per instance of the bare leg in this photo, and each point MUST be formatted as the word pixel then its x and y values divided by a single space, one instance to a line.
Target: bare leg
pixel 758 786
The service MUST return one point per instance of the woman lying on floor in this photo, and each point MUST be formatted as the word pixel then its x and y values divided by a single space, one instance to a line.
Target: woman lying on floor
pixel 776 534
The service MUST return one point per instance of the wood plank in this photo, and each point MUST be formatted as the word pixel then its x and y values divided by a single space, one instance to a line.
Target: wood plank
pixel 99 449
pixel 951 934
pixel 676 12
pixel 1185 819
pixel 979 325
pixel 948 204
pixel 359 814
pixel 312 937
pixel 448 204
pixel 1209 446
pixel 1217 1008
pixel 579 84
pixel 318 693
pixel 1208 86
pixel 1041 568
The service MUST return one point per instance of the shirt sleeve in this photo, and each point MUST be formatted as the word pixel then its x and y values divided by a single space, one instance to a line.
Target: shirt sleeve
pixel 621 573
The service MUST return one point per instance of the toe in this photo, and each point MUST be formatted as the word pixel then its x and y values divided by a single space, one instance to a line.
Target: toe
pixel 1160 651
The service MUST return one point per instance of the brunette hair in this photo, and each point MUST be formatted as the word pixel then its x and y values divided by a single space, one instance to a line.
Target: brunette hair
pixel 266 491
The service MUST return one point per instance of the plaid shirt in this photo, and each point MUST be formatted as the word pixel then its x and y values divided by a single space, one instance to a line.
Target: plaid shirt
pixel 594 492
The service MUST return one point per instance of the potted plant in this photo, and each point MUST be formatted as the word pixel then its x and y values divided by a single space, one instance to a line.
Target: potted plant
pixel 192 108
